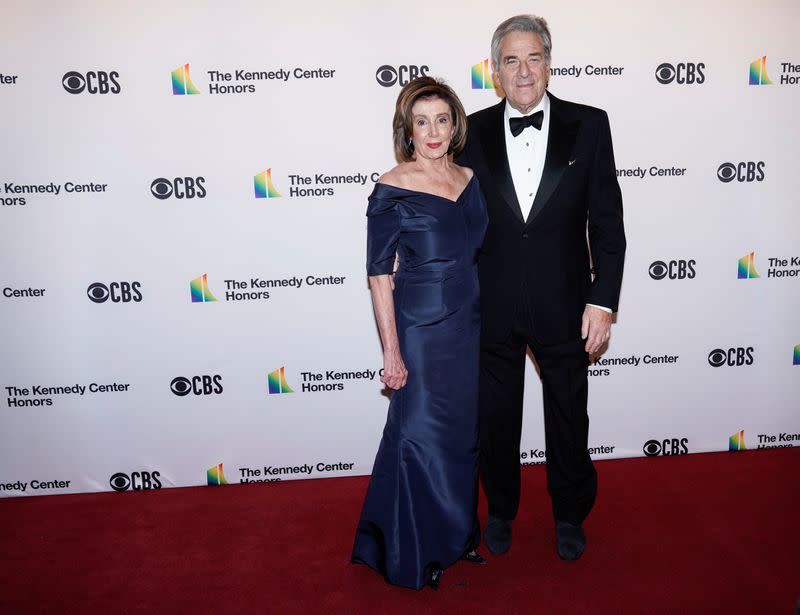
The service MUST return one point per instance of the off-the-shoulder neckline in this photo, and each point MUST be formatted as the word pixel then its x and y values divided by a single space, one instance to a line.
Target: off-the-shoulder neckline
pixel 438 196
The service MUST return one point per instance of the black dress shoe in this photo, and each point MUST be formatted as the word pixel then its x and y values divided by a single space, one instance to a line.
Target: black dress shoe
pixel 497 535
pixel 570 540
pixel 436 576
pixel 473 557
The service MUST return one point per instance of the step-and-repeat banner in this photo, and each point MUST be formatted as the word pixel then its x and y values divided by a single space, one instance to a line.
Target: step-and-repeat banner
pixel 182 194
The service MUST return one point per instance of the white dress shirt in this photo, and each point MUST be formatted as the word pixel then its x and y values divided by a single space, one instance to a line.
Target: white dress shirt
pixel 526 153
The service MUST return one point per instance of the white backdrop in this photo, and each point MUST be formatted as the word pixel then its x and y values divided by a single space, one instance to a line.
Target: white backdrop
pixel 96 283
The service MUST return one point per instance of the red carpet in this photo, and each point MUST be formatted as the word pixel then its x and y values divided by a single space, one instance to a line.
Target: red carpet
pixel 713 533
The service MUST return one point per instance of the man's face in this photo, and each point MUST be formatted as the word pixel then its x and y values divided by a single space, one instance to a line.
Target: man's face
pixel 523 71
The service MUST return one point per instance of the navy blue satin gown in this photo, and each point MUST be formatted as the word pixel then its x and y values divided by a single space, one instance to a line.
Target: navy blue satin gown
pixel 420 510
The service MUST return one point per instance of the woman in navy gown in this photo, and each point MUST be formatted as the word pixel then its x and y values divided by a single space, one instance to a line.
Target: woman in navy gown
pixel 420 510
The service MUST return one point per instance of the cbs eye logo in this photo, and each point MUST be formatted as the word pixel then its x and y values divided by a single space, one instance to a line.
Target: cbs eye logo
pixel 118 292
pixel 683 73
pixel 748 171
pixel 387 75
pixel 732 357
pixel 198 385
pixel 651 448
pixel 726 172
pixel 674 270
pixel 658 270
pixel 93 82
pixel 668 446
pixel 179 187
pixel 120 482
pixel 138 481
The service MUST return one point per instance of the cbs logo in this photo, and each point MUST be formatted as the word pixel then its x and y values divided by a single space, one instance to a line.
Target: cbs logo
pixel 668 446
pixel 93 82
pixel 741 171
pixel 683 73
pixel 199 385
pixel 388 75
pixel 179 187
pixel 118 292
pixel 674 270
pixel 137 481
pixel 732 357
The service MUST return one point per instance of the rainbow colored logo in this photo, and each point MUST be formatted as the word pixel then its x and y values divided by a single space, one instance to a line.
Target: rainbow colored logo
pixel 216 476
pixel 264 188
pixel 482 76
pixel 182 82
pixel 200 291
pixel 736 442
pixel 276 382
pixel 796 359
pixel 758 72
pixel 747 267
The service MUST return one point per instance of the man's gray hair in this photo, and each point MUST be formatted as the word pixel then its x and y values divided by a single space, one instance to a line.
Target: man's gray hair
pixel 521 23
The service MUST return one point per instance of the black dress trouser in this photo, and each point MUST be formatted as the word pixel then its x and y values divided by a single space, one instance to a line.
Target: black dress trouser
pixel 571 477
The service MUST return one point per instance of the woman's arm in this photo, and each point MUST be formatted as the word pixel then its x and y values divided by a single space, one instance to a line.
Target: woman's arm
pixel 394 370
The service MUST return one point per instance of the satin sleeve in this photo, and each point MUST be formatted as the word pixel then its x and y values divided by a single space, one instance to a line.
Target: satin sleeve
pixel 383 234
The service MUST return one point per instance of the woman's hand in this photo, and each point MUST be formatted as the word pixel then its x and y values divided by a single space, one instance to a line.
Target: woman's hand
pixel 395 373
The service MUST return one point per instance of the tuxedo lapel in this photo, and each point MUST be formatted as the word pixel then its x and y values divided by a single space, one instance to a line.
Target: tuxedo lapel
pixel 560 142
pixel 494 145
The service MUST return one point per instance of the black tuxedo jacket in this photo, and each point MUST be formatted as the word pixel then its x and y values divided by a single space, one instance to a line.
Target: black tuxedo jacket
pixel 547 255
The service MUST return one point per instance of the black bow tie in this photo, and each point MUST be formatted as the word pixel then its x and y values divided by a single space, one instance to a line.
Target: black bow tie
pixel 518 124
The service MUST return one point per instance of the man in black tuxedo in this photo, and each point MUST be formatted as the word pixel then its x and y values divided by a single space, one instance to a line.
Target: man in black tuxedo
pixel 547 170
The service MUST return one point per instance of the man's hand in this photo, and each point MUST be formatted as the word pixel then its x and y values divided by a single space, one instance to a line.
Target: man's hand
pixel 595 328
